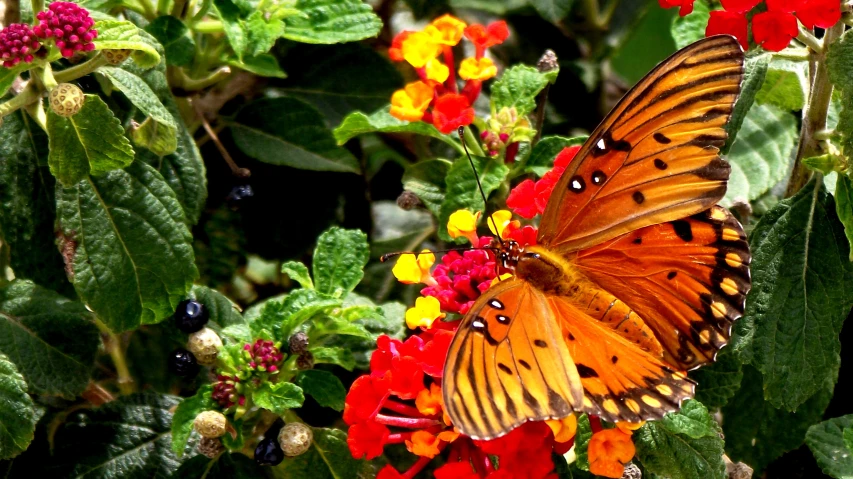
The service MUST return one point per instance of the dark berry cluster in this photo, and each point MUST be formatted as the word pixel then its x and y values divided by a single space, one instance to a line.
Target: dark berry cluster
pixel 268 452
pixel 18 43
pixel 263 356
pixel 190 317
pixel 227 391
pixel 70 25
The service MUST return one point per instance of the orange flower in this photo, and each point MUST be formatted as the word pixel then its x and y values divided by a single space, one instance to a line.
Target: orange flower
pixel 436 71
pixel 452 111
pixel 564 429
pixel 609 450
pixel 410 103
pixel 477 69
pixel 418 48
pixel 429 402
pixel 446 30
pixel 395 53
pixel 423 444
pixel 485 37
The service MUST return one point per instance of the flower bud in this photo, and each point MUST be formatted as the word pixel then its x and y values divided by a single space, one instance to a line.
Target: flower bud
pixel 298 343
pixel 210 424
pixel 295 438
pixel 205 345
pixel 66 99
pixel 116 57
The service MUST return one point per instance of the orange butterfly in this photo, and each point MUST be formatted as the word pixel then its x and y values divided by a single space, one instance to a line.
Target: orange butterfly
pixel 637 276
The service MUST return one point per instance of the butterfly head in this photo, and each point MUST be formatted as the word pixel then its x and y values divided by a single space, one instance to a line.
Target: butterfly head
pixel 509 253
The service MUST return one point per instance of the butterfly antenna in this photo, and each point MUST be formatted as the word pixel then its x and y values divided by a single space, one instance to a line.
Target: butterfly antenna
pixel 461 132
pixel 385 257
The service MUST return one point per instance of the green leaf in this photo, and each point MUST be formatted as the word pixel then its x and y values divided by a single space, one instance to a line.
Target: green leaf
pixel 358 123
pixel 158 132
pixel 172 34
pixel 582 437
pixel 8 75
pixel 230 15
pixel 691 28
pixel 541 159
pixel 17 411
pixel 287 131
pixel 517 88
pixel 371 78
pixel 265 65
pixel 225 466
pixel 761 154
pixel 298 272
pixel 718 382
pixel 848 438
pixel 757 433
pixel 223 312
pixel 133 261
pixel 426 180
pixel 262 32
pixel 339 261
pixel 341 356
pixel 278 397
pixel 129 437
pixel 52 340
pixel 324 387
pixel 122 35
pixel 844 207
pixel 552 10
pixel 755 69
pixel 684 445
pixel 187 410
pixel 327 458
pixel 784 85
pixel 838 62
pixel 332 21
pixel 325 326
pixel 462 191
pixel 283 317
pixel 801 283
pixel 90 142
pixel 27 204
pixel 827 442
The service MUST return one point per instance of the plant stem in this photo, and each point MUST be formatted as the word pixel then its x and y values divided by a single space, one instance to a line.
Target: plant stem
pixel 808 39
pixel 112 343
pixel 29 95
pixel 79 70
pixel 12 13
pixel 795 54
pixel 38 6
pixel 209 26
pixel 814 116
pixel 472 142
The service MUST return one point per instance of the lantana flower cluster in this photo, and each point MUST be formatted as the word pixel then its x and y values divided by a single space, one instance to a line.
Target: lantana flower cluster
pixel 66 24
pixel 774 28
pixel 436 97
pixel 259 363
pixel 400 400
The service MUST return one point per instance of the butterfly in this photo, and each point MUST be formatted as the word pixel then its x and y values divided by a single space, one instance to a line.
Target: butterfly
pixel 637 275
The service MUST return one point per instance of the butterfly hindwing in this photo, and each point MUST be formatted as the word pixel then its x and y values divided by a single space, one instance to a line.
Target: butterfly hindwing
pixel 687 279
pixel 507 364
pixel 655 157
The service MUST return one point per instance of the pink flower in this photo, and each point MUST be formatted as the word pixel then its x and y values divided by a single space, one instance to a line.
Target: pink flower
pixel 70 25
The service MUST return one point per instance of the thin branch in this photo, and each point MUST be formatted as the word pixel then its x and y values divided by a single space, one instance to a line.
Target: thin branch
pixel 235 170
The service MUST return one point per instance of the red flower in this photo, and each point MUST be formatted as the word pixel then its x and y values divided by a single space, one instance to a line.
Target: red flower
pixel 364 399
pixel 774 30
pixel 787 6
pixel 451 111
pixel 70 24
pixel 686 5
pixel 485 37
pixel 435 352
pixel 525 451
pixel 730 23
pixel 739 6
pixel 407 378
pixel 395 53
pixel 524 236
pixel 17 43
pixel 388 472
pixel 819 13
pixel 456 470
pixel 367 439
pixel 528 198
pixel 461 278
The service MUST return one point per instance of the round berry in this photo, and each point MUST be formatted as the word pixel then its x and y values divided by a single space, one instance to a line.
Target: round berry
pixel 183 363
pixel 205 345
pixel 268 453
pixel 210 424
pixel 210 447
pixel 66 99
pixel 298 343
pixel 191 316
pixel 239 195
pixel 295 438
pixel 116 57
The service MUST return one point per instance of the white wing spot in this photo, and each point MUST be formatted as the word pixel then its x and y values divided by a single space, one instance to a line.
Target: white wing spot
pixel 601 144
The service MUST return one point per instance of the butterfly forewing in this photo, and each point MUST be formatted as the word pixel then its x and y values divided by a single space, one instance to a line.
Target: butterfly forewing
pixel 655 157
pixel 507 364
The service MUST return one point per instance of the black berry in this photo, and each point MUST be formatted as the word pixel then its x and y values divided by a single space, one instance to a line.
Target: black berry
pixel 183 363
pixel 239 195
pixel 268 453
pixel 191 316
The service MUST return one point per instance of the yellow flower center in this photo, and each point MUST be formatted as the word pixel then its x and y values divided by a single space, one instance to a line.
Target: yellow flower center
pixel 477 69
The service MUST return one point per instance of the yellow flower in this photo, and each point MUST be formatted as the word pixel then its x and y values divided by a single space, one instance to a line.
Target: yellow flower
pixel 419 48
pixel 423 444
pixel 564 429
pixel 437 71
pixel 463 223
pixel 474 69
pixel 499 219
pixel 502 277
pixel 629 427
pixel 446 30
pixel 410 103
pixel 411 269
pixel 428 402
pixel 426 310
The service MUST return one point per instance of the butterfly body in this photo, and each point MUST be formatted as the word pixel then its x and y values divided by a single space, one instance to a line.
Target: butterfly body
pixel 636 276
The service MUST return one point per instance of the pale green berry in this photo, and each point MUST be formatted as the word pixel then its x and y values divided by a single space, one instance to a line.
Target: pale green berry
pixel 295 438
pixel 205 345
pixel 66 99
pixel 210 424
